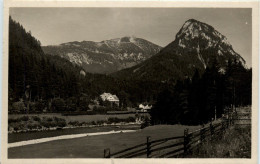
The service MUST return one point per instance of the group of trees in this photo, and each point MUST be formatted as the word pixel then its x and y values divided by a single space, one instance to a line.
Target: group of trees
pixel 199 99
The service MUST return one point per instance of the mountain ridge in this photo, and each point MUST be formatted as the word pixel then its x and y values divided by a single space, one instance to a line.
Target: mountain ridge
pixel 106 56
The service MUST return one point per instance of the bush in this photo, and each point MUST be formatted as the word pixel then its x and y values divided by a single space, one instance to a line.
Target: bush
pixel 40 105
pixel 13 120
pixel 100 110
pixel 93 123
pixel 100 122
pixel 61 123
pixel 18 127
pixel 57 119
pixel 146 122
pixel 18 106
pixel 48 124
pixel 36 118
pixel 24 118
pixel 114 120
pixel 74 123
pixel 130 119
pixel 58 104
pixel 32 126
pixel 49 119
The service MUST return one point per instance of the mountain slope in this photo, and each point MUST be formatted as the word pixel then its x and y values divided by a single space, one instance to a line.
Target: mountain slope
pixel 196 46
pixel 106 56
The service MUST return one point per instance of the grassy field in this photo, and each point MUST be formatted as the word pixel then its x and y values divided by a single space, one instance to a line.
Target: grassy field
pixel 79 118
pixel 34 122
pixel 93 146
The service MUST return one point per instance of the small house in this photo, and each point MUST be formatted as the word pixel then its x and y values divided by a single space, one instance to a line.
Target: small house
pixel 109 97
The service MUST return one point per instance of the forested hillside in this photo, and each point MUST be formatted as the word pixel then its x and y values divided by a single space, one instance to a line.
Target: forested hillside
pixel 38 81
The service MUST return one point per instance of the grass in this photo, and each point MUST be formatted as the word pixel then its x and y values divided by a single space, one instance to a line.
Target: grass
pixel 79 118
pixel 43 122
pixel 93 146
pixel 234 143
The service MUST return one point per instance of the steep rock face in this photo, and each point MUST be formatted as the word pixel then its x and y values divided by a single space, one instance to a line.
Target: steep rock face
pixel 106 56
pixel 196 46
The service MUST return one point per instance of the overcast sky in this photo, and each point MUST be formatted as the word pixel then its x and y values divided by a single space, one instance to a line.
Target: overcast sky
pixel 54 26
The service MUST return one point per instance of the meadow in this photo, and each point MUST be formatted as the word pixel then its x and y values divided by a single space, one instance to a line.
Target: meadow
pixel 38 122
pixel 93 146
pixel 79 118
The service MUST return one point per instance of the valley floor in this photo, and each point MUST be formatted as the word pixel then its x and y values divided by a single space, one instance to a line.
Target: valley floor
pixel 93 146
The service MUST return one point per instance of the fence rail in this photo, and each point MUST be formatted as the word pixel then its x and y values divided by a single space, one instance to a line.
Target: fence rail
pixel 177 146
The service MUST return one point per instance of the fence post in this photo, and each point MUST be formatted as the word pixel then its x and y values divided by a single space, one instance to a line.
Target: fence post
pixel 107 153
pixel 148 144
pixel 186 140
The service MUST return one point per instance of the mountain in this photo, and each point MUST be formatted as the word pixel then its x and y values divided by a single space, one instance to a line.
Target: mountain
pixel 196 46
pixel 107 56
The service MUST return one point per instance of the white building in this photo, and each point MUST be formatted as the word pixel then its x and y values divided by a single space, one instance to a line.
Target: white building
pixel 109 97
pixel 144 108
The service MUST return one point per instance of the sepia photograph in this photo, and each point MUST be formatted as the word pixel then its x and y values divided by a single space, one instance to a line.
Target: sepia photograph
pixel 130 82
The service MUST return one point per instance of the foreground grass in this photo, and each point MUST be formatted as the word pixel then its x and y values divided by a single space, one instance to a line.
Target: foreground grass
pixel 93 146
pixel 233 143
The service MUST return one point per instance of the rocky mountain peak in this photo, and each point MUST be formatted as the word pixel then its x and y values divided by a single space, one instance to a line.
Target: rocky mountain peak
pixel 199 36
pixel 195 29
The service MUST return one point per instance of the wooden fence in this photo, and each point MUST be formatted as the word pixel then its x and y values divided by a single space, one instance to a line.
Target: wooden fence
pixel 178 146
pixel 169 147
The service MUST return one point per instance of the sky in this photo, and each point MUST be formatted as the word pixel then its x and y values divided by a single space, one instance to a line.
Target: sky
pixel 53 26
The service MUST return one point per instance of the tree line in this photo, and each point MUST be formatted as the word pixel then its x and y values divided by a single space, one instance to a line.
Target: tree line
pixel 199 99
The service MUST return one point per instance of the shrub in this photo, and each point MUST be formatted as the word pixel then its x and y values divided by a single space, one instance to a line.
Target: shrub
pixel 100 110
pixel 48 124
pixel 146 122
pixel 130 119
pixel 13 120
pixel 36 118
pixel 74 123
pixel 32 126
pixel 49 119
pixel 114 120
pixel 58 104
pixel 16 128
pixel 18 106
pixel 100 122
pixel 61 124
pixel 40 105
pixel 24 118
